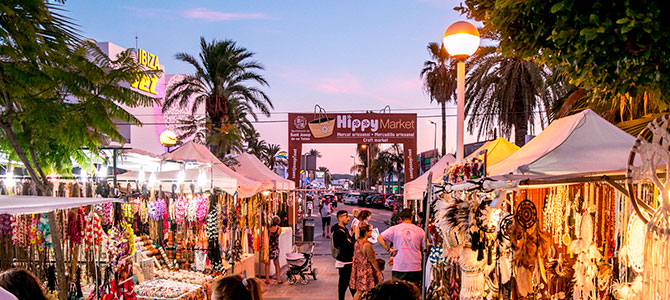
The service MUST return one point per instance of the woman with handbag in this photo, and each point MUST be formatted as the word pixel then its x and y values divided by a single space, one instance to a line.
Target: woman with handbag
pixel 365 271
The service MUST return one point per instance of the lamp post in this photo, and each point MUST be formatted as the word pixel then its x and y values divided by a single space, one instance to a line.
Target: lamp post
pixel 435 134
pixel 460 40
pixel 367 165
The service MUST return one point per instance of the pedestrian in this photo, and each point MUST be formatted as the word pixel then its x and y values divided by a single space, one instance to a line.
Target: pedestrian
pixel 325 209
pixel 365 271
pixel 343 242
pixel 234 287
pixel 409 240
pixel 394 290
pixel 274 232
pixel 362 218
pixel 22 284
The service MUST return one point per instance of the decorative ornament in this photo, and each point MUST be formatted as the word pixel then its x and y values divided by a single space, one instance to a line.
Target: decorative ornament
pixel 652 148
pixel 586 268
pixel 526 214
pixel 635 234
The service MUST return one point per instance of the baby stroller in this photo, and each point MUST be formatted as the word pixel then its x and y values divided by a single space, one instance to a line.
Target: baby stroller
pixel 300 263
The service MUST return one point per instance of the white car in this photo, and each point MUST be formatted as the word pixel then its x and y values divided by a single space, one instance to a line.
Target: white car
pixel 351 198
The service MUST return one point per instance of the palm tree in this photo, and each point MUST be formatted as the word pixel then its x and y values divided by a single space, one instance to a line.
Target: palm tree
pixel 270 158
pixel 390 162
pixel 314 152
pixel 257 146
pixel 224 73
pixel 439 81
pixel 507 93
pixel 362 169
pixel 327 177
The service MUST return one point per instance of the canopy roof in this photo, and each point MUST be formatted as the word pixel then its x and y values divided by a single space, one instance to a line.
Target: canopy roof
pixel 17 205
pixel 583 143
pixel 415 188
pixel 192 151
pixel 251 167
pixel 219 179
pixel 497 150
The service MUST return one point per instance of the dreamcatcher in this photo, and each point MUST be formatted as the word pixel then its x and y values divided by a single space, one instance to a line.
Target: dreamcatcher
pixel 586 268
pixel 652 146
pixel 530 245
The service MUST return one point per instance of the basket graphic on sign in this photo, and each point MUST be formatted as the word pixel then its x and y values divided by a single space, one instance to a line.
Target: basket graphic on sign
pixel 321 126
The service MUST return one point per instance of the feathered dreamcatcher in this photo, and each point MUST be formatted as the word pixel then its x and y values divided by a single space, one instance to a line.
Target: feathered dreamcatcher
pixel 466 229
pixel 529 244
pixel 652 146
pixel 586 268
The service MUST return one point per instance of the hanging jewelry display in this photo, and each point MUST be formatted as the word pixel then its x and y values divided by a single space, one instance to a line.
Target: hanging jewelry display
pixel 556 213
pixel 651 146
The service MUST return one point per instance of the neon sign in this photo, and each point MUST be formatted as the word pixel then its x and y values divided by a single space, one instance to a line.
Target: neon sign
pixel 146 83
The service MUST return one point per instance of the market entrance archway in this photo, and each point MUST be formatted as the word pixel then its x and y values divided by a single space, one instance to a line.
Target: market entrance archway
pixel 351 128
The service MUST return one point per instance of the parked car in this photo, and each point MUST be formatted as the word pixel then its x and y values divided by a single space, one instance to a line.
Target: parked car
pixel 370 200
pixel 361 198
pixel 380 200
pixel 351 198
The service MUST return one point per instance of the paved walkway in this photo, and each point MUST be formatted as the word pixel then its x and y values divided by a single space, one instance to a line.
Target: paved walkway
pixel 325 287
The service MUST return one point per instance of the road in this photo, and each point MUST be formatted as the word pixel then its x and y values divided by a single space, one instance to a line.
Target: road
pixel 325 287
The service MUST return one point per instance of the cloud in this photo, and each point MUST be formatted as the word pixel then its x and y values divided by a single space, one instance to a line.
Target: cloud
pixel 218 16
pixel 345 83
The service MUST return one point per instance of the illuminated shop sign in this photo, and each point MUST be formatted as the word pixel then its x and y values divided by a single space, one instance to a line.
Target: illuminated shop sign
pixel 147 83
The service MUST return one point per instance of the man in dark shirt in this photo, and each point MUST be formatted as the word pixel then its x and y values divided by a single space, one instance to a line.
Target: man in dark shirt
pixel 344 243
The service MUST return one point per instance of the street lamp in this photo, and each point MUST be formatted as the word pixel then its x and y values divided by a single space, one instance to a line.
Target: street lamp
pixel 367 165
pixel 460 40
pixel 435 134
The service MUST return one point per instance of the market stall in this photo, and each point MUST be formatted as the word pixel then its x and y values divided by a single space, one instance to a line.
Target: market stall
pixel 414 189
pixel 280 201
pixel 557 225
pixel 192 151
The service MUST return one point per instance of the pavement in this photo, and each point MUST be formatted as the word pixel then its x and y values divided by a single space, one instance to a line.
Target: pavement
pixel 325 287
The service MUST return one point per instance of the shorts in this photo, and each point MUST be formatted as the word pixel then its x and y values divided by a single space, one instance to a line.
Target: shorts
pixel 413 277
pixel 325 221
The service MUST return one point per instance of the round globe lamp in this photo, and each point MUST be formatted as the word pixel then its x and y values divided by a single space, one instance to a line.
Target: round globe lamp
pixel 168 139
pixel 461 39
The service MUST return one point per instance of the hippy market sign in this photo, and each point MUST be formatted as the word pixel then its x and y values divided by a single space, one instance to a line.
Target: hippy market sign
pixel 351 128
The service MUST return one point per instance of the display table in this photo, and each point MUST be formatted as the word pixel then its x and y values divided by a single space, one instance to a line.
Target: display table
pixel 285 246
pixel 160 289
pixel 244 267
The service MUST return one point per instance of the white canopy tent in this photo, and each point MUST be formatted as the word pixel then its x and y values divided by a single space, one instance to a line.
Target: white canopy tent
pixel 17 205
pixel 583 143
pixel 251 167
pixel 214 177
pixel 577 146
pixel 192 151
pixel 415 188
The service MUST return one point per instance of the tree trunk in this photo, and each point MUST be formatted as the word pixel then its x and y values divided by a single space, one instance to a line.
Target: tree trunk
pixel 520 129
pixel 42 184
pixel 443 107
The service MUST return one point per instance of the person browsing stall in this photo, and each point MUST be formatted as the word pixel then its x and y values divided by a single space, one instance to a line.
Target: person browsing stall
pixel 409 240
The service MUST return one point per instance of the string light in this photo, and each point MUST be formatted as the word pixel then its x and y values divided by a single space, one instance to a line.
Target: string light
pixel 142 177
pixel 9 179
pixel 202 179
pixel 180 177
pixel 83 176
pixel 102 171
pixel 152 179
